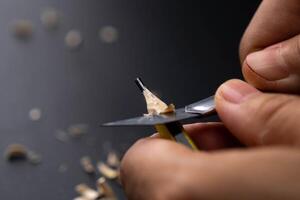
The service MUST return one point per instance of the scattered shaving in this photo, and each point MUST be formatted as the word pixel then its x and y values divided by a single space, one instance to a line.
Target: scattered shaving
pixel 15 152
pixel 35 114
pixel 20 152
pixel 77 130
pixel 105 188
pixel 34 158
pixel 87 165
pixel 113 159
pixel 50 18
pixel 80 198
pixel 155 106
pixel 86 192
pixel 22 28
pixel 108 34
pixel 73 39
pixel 107 171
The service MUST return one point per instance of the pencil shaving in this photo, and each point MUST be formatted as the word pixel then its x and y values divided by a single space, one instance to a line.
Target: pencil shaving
pixel 113 159
pixel 34 158
pixel 87 165
pixel 107 171
pixel 80 198
pixel 86 192
pixel 22 28
pixel 77 130
pixel 15 151
pixel 103 186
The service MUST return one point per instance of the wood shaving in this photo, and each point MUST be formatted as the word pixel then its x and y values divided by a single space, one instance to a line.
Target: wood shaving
pixel 155 106
pixel 86 192
pixel 107 171
pixel 77 130
pixel 35 114
pixel 113 159
pixel 73 39
pixel 50 18
pixel 108 34
pixel 80 198
pixel 15 151
pixel 106 189
pixel 87 165
pixel 19 151
pixel 22 28
pixel 34 158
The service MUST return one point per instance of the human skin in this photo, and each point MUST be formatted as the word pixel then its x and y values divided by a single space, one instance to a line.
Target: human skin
pixel 254 153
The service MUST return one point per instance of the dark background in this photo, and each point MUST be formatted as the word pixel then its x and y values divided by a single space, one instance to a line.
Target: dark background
pixel 182 49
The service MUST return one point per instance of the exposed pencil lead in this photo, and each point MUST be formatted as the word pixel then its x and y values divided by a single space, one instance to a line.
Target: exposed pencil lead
pixel 140 84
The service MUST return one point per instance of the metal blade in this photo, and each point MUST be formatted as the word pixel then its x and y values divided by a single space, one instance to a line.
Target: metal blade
pixel 195 110
pixel 205 106
pixel 151 120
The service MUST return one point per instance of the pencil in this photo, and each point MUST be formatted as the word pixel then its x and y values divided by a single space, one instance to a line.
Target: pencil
pixel 173 130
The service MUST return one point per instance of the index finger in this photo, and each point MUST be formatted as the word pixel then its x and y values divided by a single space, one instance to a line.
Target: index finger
pixel 273 22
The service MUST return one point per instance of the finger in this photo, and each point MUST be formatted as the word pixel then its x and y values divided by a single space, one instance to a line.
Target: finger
pixel 253 174
pixel 211 136
pixel 276 68
pixel 256 118
pixel 273 22
pixel 160 169
pixel 152 161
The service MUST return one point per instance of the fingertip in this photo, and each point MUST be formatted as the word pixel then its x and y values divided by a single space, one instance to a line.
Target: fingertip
pixel 234 91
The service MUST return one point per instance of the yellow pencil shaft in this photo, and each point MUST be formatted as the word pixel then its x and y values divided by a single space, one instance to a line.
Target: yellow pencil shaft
pixel 174 131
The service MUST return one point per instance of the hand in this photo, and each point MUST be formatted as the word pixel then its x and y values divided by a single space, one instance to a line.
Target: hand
pixel 161 169
pixel 270 48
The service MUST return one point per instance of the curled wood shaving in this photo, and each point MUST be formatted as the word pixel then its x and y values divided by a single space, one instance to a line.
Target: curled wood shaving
pixel 22 28
pixel 106 189
pixel 87 165
pixel 50 18
pixel 77 130
pixel 113 159
pixel 15 151
pixel 73 39
pixel 86 192
pixel 80 198
pixel 107 171
pixel 34 158
pixel 35 114
pixel 108 34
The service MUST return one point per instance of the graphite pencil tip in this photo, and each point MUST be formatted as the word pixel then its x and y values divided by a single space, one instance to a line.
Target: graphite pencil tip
pixel 140 84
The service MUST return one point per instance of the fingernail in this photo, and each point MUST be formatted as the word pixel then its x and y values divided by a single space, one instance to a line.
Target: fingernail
pixel 236 91
pixel 268 63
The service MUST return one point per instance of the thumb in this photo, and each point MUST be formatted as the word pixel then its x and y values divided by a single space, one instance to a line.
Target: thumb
pixel 276 68
pixel 256 118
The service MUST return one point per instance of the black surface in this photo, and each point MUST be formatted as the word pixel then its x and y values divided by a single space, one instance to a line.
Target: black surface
pixel 183 49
